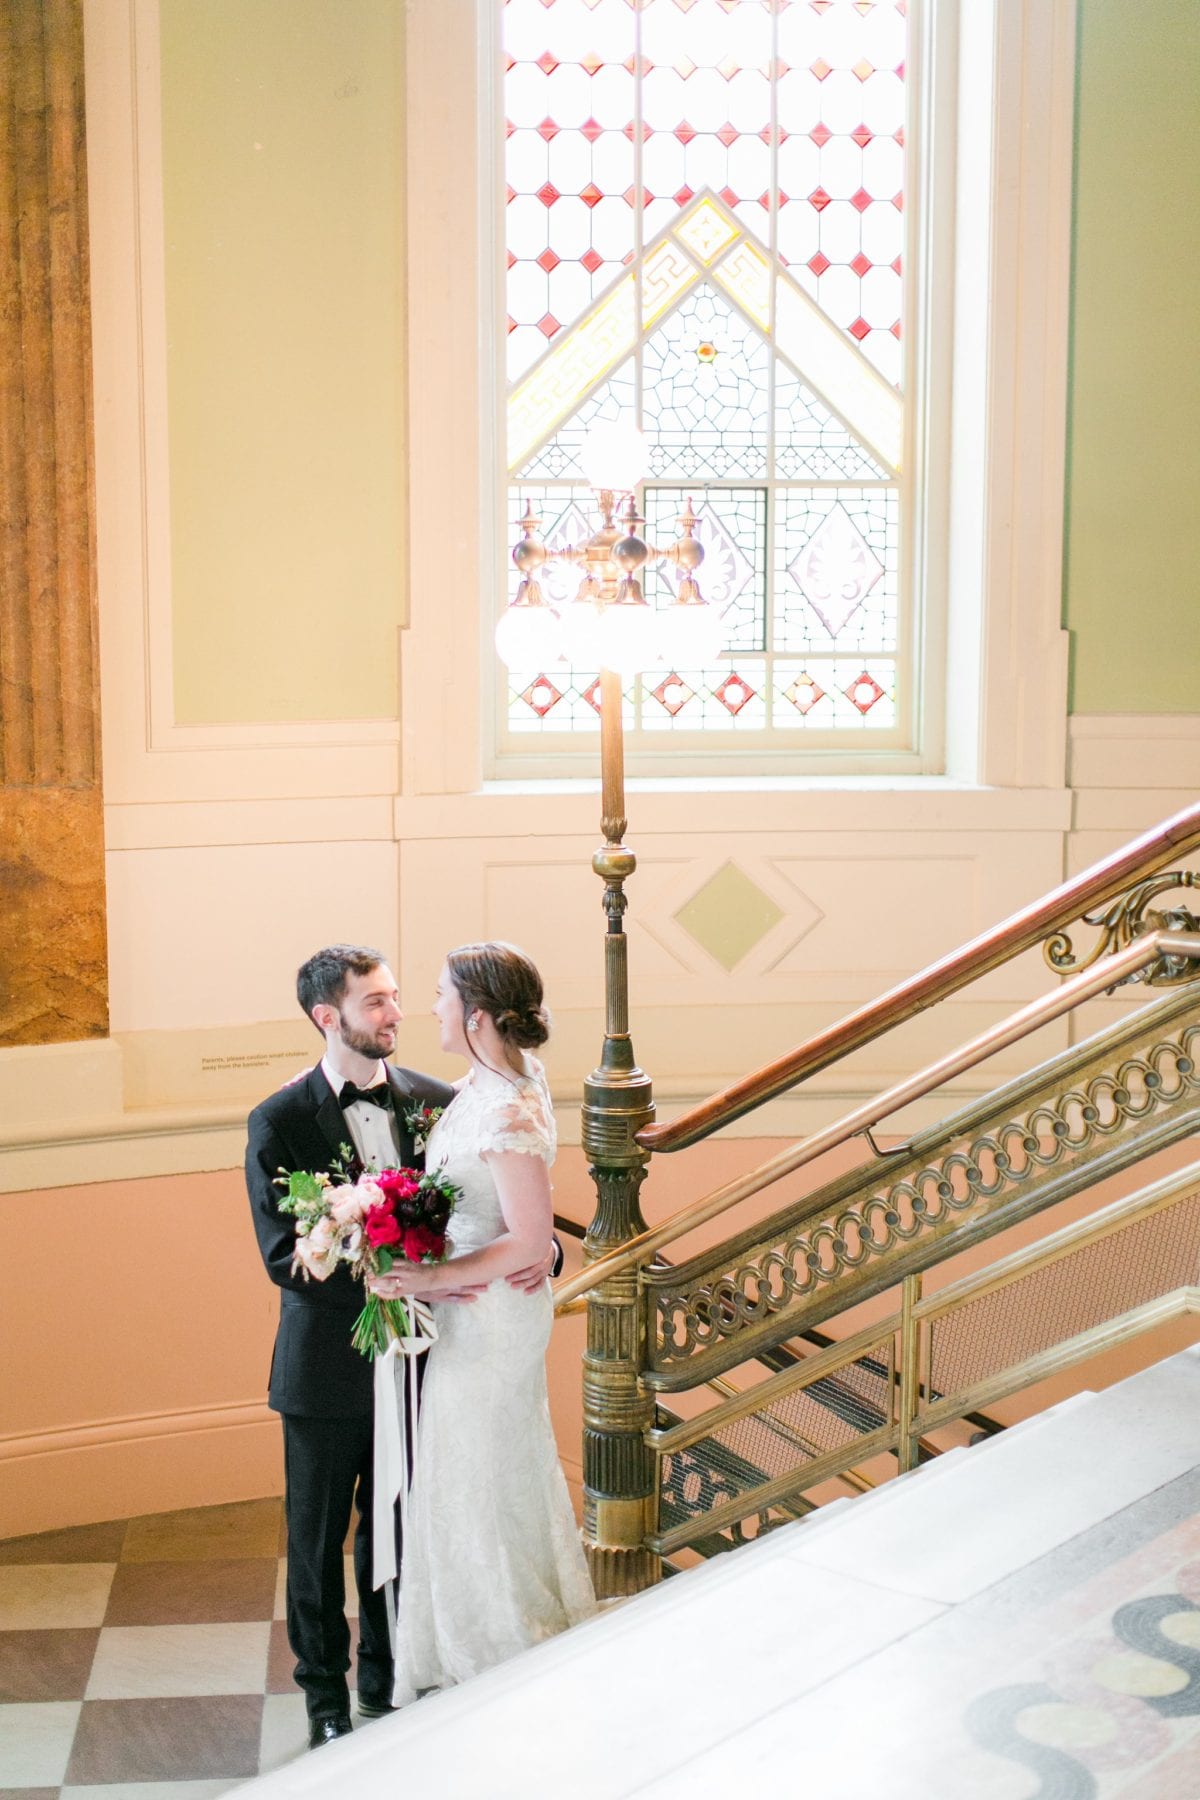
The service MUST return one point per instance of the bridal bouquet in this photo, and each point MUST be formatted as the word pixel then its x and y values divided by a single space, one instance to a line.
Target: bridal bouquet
pixel 368 1222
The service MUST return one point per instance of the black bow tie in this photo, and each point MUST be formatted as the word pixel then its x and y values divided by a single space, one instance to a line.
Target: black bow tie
pixel 378 1096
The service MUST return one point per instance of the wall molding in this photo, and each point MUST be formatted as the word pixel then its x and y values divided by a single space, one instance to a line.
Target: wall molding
pixel 134 1428
pixel 155 1462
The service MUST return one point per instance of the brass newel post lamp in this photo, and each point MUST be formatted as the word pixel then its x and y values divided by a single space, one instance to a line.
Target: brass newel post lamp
pixel 610 625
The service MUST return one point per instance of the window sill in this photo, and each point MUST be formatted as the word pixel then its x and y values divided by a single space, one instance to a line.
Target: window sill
pixel 876 804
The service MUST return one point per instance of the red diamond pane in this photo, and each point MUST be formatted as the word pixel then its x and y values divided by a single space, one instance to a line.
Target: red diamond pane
pixel 591 194
pixel 547 129
pixel 684 132
pixel 859 329
pixel 541 695
pixel 818 263
pixel 683 196
pixel 548 325
pixel 591 62
pixel 547 63
pixel 818 199
pixel 592 695
pixel 862 137
pixel 673 694
pixel 821 68
pixel 548 260
pixel 864 692
pixel 728 196
pixel 590 130
pixel 734 693
pixel 860 265
pixel 820 135
pixel 861 200
pixel 728 135
pixel 547 193
pixel 591 261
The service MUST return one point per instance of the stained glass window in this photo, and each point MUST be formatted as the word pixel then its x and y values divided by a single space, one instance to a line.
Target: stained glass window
pixel 705 234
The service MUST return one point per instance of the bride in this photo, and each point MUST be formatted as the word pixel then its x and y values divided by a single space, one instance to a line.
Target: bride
pixel 492 1561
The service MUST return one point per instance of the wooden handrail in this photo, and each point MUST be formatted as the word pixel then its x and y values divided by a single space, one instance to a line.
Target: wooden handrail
pixel 1088 984
pixel 1018 933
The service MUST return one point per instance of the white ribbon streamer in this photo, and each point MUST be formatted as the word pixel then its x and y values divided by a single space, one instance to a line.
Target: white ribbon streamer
pixel 395 1405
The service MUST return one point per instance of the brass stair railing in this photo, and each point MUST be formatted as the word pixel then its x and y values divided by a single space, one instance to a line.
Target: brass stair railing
pixel 948 1363
pixel 1087 1113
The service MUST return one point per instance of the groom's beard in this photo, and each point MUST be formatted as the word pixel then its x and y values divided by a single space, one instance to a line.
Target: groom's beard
pixel 364 1043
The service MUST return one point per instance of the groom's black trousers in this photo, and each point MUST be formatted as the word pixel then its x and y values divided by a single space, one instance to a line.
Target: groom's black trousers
pixel 328 1471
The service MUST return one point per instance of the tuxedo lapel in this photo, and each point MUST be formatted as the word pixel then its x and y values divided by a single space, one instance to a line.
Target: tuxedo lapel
pixel 330 1122
pixel 402 1101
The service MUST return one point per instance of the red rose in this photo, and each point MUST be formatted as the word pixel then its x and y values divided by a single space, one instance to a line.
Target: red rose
pixel 420 1242
pixel 398 1184
pixel 381 1227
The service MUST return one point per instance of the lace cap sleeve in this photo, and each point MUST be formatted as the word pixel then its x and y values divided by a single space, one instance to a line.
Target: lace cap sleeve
pixel 520 1117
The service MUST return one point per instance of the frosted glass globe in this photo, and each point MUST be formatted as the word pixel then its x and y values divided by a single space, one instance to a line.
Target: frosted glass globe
pixel 692 634
pixel 581 634
pixel 528 637
pixel 628 638
pixel 614 456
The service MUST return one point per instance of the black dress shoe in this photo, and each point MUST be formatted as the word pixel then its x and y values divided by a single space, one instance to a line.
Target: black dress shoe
pixel 370 1706
pixel 323 1731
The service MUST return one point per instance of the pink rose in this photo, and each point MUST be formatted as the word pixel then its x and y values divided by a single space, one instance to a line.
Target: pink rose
pixel 348 1204
pixel 318 1251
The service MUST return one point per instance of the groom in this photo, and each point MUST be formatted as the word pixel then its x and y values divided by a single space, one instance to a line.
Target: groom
pixel 353 1100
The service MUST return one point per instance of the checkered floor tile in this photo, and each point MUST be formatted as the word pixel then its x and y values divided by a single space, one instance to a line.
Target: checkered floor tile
pixel 147 1657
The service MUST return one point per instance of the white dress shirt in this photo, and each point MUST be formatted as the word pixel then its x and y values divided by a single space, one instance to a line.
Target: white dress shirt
pixel 372 1129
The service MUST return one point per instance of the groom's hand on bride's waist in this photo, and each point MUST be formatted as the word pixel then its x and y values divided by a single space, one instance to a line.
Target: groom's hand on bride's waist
pixel 528 1281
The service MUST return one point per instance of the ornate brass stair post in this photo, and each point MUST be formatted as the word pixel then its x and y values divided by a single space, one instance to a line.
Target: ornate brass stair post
pixel 619 1498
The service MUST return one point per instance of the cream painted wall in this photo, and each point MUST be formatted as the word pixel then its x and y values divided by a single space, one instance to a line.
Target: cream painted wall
pixel 1134 454
pixel 283 199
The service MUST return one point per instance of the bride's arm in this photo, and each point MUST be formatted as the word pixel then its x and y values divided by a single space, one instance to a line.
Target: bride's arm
pixel 523 1186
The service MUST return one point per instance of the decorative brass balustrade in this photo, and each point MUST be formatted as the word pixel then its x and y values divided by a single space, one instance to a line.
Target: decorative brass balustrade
pixel 1034 1314
pixel 1090 1113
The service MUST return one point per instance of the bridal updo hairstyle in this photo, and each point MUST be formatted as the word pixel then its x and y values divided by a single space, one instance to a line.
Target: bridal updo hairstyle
pixel 500 980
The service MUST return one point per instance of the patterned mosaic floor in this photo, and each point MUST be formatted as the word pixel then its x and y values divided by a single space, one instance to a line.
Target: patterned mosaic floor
pixel 147 1657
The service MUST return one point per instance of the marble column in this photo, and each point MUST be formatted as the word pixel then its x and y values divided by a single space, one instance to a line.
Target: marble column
pixel 53 975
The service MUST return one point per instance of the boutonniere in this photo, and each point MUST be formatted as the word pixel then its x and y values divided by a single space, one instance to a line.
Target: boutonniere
pixel 421 1121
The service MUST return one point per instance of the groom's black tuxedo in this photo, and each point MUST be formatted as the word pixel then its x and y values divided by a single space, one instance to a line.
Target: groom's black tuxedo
pixel 315 1370
pixel 323 1387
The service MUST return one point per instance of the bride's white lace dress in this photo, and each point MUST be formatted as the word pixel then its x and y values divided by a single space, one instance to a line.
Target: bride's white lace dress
pixel 492 1561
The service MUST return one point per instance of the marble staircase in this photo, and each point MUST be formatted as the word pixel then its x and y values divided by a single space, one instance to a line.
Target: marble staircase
pixel 1019 1620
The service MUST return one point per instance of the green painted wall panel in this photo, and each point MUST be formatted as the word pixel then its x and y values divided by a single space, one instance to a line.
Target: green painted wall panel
pixel 1132 593
pixel 283 214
